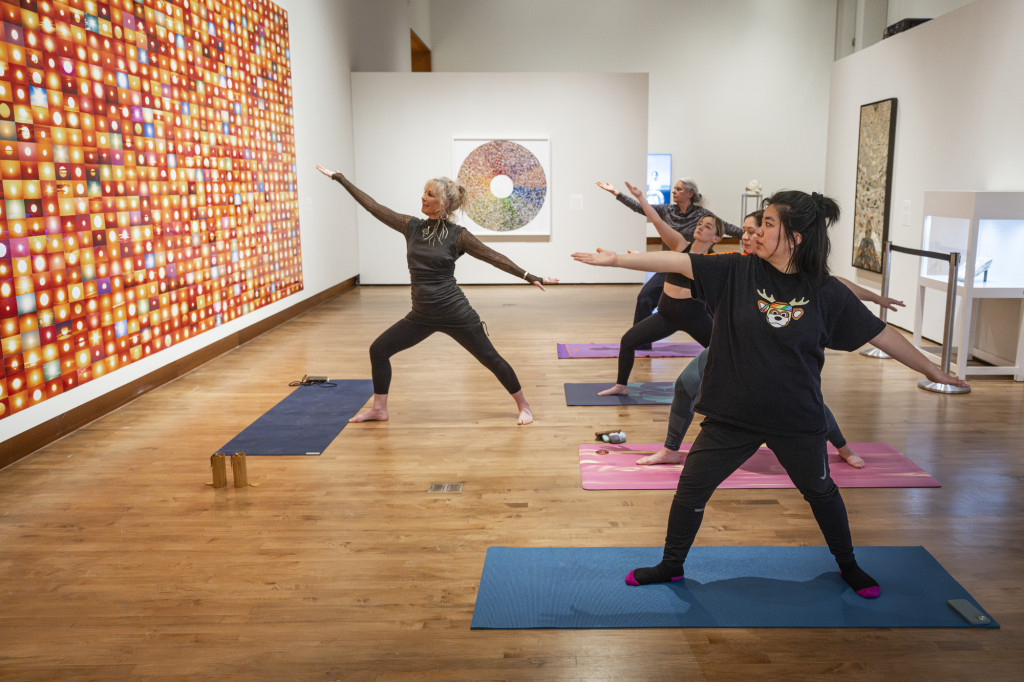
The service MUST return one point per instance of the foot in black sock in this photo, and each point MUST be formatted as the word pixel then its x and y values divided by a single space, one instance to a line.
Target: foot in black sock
pixel 862 583
pixel 662 573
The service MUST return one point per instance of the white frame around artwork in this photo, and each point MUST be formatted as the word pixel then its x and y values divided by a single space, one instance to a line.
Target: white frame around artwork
pixel 540 147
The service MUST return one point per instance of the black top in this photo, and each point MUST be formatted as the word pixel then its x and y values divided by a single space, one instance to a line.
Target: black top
pixel 431 252
pixel 678 278
pixel 768 339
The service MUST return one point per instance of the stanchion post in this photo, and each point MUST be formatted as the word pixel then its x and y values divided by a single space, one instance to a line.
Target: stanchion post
pixel 871 351
pixel 947 334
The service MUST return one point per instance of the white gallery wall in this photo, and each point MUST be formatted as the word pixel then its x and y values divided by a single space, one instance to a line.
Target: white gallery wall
pixel 404 124
pixel 738 88
pixel 326 38
pixel 959 127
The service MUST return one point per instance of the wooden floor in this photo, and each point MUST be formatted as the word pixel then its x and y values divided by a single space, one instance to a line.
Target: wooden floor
pixel 117 561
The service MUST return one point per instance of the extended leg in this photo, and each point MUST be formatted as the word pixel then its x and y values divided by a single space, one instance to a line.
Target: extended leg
pixel 717 452
pixel 836 437
pixel 398 337
pixel 681 415
pixel 805 459
pixel 647 299
pixel 643 333
pixel 474 339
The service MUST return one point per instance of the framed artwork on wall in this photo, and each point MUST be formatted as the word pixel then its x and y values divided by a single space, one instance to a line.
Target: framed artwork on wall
pixel 148 188
pixel 874 183
pixel 507 183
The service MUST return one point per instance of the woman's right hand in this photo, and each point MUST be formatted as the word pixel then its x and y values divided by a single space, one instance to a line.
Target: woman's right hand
pixel 326 171
pixel 607 187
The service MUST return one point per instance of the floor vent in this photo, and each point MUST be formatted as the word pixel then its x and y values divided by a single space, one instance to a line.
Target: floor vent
pixel 445 488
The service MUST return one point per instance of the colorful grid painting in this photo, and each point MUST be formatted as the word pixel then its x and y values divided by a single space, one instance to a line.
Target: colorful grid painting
pixel 506 183
pixel 148 181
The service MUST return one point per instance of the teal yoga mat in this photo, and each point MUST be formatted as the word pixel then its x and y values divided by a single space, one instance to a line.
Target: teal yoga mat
pixel 742 587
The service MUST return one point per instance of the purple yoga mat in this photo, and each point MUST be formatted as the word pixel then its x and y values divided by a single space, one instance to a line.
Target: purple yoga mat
pixel 885 467
pixel 661 349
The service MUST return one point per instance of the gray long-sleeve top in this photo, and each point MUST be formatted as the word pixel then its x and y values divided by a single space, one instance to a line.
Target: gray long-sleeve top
pixel 683 223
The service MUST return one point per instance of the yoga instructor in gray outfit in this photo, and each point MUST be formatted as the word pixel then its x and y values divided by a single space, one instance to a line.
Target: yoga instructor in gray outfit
pixel 438 304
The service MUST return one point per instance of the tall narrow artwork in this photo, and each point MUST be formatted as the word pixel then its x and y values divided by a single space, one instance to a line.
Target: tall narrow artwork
pixel 148 181
pixel 874 183
pixel 507 184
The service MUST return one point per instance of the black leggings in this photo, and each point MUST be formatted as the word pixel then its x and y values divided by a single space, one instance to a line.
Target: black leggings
pixel 647 299
pixel 674 315
pixel 406 334
pixel 720 449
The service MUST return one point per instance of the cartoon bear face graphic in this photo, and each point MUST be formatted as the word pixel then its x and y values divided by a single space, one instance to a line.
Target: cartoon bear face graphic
pixel 780 314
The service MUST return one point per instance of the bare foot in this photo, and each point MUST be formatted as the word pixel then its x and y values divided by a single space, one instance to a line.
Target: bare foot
pixel 617 389
pixel 525 413
pixel 371 415
pixel 378 412
pixel 663 456
pixel 851 457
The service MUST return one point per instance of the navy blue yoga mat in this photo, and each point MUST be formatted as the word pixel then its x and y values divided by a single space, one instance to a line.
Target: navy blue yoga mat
pixel 305 422
pixel 751 587
pixel 640 393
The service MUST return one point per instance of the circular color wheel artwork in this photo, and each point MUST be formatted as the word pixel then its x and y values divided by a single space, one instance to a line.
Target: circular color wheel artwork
pixel 506 185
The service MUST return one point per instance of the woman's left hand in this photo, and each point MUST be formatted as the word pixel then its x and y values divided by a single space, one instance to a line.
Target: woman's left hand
pixel 539 283
pixel 603 257
pixel 936 375
pixel 636 192
pixel 890 303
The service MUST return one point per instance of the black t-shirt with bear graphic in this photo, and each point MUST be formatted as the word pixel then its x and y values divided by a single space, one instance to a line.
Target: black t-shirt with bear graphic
pixel 768 342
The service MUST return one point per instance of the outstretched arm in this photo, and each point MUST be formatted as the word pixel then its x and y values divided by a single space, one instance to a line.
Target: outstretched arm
pixel 468 243
pixel 870 296
pixel 897 346
pixel 647 261
pixel 673 240
pixel 393 219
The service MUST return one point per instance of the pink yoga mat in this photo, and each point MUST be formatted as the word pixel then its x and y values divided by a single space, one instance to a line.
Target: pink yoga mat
pixel 660 349
pixel 885 467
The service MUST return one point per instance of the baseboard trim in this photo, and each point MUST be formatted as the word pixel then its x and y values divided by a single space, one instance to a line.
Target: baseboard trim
pixel 27 442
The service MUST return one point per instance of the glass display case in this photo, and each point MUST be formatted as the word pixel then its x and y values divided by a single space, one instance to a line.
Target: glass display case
pixel 987 228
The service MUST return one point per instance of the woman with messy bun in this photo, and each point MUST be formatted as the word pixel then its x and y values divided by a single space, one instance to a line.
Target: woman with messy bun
pixel 775 312
pixel 438 304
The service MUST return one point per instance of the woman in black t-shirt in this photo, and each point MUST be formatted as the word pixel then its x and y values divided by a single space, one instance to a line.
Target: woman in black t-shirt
pixel 774 313
pixel 438 304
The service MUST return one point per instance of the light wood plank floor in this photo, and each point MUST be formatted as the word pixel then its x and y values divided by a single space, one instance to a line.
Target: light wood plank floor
pixel 117 561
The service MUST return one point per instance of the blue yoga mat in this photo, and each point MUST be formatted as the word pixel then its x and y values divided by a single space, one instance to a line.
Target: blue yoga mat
pixel 305 422
pixel 640 393
pixel 750 587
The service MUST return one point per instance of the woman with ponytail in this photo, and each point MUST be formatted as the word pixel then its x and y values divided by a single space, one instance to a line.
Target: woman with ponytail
pixel 438 304
pixel 775 312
